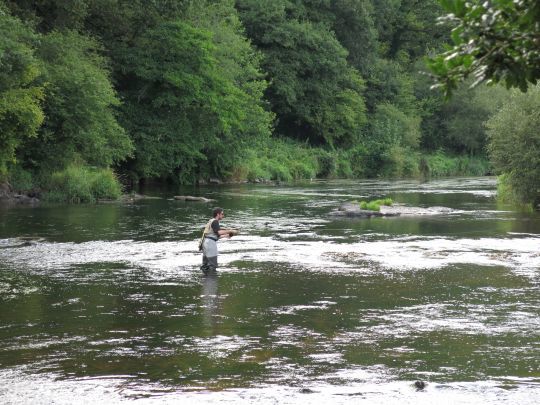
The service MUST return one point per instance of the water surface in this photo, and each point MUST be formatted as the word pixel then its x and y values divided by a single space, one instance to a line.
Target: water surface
pixel 106 302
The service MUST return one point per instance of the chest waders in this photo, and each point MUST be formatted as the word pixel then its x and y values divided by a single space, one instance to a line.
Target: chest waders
pixel 209 248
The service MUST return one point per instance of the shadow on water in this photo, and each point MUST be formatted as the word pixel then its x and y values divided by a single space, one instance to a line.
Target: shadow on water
pixel 106 302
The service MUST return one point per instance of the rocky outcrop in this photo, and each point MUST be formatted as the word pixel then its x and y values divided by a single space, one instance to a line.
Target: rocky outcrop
pixel 5 190
pixel 9 197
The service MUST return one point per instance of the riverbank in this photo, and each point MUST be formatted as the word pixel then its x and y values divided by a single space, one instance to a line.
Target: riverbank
pixel 284 162
pixel 9 197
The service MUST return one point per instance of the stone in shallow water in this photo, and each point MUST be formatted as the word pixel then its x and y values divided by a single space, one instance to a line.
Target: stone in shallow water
pixel 419 385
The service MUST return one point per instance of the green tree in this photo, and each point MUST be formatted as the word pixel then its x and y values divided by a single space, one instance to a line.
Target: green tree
pixel 20 94
pixel 353 25
pixel 178 103
pixel 463 118
pixel 314 92
pixel 389 82
pixel 393 136
pixel 355 30
pixel 407 28
pixel 49 15
pixel 239 64
pixel 80 122
pixel 493 41
pixel 514 144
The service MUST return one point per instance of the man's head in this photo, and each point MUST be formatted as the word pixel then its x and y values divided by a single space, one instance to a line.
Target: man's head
pixel 218 212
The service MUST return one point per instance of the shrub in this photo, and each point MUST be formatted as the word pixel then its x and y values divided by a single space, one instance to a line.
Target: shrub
pixel 514 144
pixel 506 194
pixel 353 162
pixel 81 184
pixel 21 180
pixel 105 185
pixel 327 164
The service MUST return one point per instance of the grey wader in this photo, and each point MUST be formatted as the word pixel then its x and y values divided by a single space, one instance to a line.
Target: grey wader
pixel 209 249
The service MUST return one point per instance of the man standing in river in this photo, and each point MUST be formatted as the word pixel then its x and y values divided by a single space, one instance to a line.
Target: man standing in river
pixel 212 232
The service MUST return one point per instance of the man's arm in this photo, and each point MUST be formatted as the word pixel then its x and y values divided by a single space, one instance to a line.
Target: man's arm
pixel 223 232
pixel 227 233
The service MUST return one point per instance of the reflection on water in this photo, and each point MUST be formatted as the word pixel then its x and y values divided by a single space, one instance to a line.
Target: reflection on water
pixel 107 303
pixel 210 302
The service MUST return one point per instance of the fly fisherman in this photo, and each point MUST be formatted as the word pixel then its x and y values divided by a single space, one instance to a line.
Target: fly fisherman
pixel 208 244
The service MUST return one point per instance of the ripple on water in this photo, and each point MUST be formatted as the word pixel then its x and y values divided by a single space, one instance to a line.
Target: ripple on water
pixel 178 259
pixel 373 352
pixel 368 385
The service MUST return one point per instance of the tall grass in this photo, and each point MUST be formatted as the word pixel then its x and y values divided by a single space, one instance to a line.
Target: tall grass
pixel 375 205
pixel 286 160
pixel 21 180
pixel 82 184
pixel 442 165
pixel 280 160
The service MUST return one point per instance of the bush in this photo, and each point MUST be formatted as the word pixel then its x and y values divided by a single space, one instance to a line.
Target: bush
pixel 21 180
pixel 105 185
pixel 327 164
pixel 515 144
pixel 353 162
pixel 506 194
pixel 81 184
pixel 375 205
pixel 278 171
pixel 399 161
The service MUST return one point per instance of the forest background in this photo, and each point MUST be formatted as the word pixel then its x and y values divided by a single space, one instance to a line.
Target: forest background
pixel 97 95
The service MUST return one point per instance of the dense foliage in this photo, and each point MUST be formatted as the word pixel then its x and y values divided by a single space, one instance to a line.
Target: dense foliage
pixel 515 145
pixel 495 41
pixel 20 95
pixel 315 93
pixel 189 90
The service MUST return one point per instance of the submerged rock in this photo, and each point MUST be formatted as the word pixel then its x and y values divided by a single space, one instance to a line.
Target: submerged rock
pixel 191 198
pixel 135 197
pixel 419 385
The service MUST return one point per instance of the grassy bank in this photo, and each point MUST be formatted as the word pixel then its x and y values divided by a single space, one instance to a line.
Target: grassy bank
pixel 281 160
pixel 276 160
pixel 442 165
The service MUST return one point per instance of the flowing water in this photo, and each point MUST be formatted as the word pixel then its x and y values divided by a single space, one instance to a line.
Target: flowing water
pixel 106 303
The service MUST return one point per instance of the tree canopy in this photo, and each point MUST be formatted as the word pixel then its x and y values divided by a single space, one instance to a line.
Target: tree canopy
pixel 21 95
pixel 515 145
pixel 190 90
pixel 493 41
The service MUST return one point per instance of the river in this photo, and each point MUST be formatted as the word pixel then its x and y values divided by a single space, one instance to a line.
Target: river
pixel 105 303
